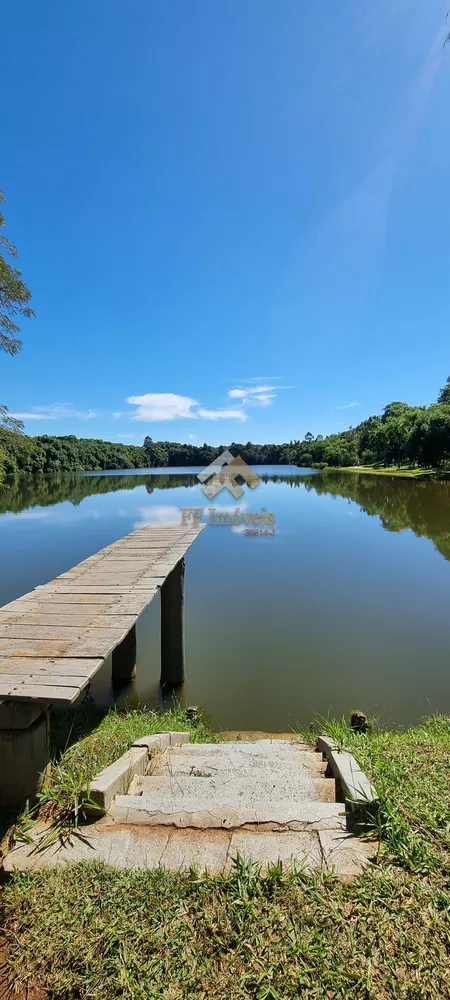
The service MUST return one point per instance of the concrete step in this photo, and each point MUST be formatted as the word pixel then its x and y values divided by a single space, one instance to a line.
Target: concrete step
pixel 214 850
pixel 237 760
pixel 233 789
pixel 252 748
pixel 227 785
pixel 279 809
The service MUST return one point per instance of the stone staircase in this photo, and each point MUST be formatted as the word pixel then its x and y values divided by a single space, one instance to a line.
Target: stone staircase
pixel 230 785
pixel 267 800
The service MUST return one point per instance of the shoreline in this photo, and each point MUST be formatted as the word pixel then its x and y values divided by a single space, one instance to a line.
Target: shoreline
pixel 399 473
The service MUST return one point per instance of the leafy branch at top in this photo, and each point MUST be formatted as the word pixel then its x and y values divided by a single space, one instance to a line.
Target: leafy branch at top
pixel 14 294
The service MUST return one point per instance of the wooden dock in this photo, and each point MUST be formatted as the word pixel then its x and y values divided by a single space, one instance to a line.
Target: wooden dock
pixel 55 639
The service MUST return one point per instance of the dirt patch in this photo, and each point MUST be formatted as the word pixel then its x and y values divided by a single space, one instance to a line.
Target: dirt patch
pixel 6 987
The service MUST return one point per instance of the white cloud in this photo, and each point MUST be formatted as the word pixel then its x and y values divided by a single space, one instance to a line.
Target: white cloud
pixel 170 406
pixel 158 515
pixel 222 414
pixel 239 392
pixel 61 514
pixel 191 436
pixel 258 378
pixel 265 398
pixel 264 378
pixel 261 395
pixel 155 406
pixel 59 411
pixel 28 515
pixel 161 406
pixel 56 411
pixel 30 416
pixel 347 406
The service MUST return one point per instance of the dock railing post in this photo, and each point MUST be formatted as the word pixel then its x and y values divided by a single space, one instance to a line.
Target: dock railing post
pixel 172 627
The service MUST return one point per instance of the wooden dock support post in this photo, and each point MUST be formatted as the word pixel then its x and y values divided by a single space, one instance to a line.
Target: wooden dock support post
pixel 124 660
pixel 172 627
pixel 24 751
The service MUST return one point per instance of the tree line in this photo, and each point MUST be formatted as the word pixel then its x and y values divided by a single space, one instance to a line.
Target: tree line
pixel 46 453
pixel 401 435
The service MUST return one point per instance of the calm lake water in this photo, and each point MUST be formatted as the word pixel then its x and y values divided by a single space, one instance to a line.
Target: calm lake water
pixel 346 606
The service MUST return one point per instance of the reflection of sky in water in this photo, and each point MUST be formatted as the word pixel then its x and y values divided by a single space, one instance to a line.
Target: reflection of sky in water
pixel 63 513
pixel 332 613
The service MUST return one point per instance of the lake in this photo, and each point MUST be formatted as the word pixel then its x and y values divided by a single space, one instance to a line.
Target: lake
pixel 346 605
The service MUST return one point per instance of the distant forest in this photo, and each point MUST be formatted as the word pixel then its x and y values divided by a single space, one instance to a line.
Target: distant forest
pixel 71 454
pixel 401 435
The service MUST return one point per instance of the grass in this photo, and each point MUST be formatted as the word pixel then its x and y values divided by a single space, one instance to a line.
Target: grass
pixel 410 771
pixel 84 742
pixel 92 932
pixel 401 471
pixel 103 934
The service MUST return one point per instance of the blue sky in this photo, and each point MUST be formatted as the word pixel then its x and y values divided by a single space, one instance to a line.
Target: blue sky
pixel 234 217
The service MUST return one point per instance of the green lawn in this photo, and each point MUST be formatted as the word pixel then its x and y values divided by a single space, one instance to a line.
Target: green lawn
pixel 401 471
pixel 92 932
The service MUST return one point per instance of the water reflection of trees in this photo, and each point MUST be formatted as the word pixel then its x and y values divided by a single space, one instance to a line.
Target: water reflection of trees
pixel 418 505
pixel 401 504
pixel 295 481
pixel 23 492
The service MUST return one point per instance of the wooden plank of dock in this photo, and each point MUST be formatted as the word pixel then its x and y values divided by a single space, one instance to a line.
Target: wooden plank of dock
pixel 54 639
